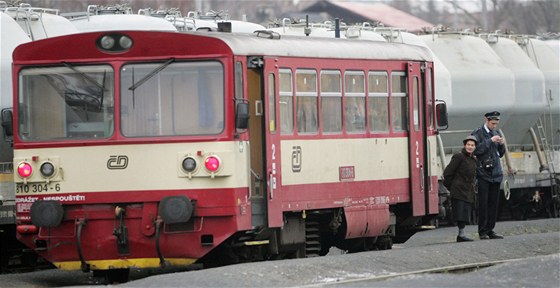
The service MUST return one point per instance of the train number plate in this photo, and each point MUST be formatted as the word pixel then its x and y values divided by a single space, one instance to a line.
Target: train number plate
pixel 38 188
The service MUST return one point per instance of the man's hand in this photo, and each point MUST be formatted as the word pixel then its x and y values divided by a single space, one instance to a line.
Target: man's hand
pixel 497 139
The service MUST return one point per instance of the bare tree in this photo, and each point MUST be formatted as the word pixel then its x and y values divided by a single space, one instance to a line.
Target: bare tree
pixel 520 16
pixel 523 17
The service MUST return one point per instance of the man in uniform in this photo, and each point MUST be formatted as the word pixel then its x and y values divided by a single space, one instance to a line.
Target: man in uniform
pixel 489 150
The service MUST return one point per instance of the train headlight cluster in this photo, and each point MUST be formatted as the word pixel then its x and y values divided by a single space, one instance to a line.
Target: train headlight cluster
pixel 107 42
pixel 24 170
pixel 114 42
pixel 189 164
pixel 47 169
pixel 212 163
pixel 125 42
pixel 34 169
pixel 200 164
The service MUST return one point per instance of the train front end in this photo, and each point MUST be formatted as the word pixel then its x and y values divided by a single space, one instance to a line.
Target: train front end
pixel 124 156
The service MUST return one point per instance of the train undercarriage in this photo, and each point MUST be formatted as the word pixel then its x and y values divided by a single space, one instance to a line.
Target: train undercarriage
pixel 307 234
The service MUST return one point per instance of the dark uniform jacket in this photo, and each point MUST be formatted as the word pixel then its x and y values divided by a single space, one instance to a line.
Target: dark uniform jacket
pixel 460 174
pixel 488 152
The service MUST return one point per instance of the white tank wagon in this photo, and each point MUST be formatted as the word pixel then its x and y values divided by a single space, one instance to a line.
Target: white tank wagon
pixel 18 25
pixel 39 23
pixel 21 24
pixel 493 73
pixel 11 36
pixel 529 159
pixel 325 29
pixel 554 44
pixel 548 61
pixel 195 21
pixel 112 18
pixel 442 77
pixel 530 101
pixel 479 83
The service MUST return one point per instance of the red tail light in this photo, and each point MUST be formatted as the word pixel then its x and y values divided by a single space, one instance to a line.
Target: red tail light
pixel 24 170
pixel 212 163
pixel 27 229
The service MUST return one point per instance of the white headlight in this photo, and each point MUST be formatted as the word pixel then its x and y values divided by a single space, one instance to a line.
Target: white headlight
pixel 107 42
pixel 125 42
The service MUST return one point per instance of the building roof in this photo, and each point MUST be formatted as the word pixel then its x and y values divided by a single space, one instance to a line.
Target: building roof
pixel 354 12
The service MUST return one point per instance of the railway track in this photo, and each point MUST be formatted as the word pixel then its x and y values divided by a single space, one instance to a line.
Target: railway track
pixel 456 269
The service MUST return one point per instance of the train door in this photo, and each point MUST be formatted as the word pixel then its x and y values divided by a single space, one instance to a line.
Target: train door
pixel 256 140
pixel 431 193
pixel 417 134
pixel 264 142
pixel 272 143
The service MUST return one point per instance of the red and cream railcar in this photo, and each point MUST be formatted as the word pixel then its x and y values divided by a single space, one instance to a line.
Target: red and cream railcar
pixel 145 149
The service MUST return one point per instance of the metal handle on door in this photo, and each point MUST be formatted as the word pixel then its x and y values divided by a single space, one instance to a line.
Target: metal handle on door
pixel 421 177
pixel 271 184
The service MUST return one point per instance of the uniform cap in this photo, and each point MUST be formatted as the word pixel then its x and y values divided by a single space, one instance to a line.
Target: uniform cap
pixel 470 138
pixel 494 115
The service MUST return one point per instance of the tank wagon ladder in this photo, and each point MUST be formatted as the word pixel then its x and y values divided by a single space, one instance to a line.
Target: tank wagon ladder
pixel 548 155
pixel 26 13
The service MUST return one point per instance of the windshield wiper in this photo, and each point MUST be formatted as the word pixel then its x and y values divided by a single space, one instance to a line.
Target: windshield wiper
pixel 84 75
pixel 151 74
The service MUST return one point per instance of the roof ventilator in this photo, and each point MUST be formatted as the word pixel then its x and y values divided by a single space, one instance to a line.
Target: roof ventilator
pixel 267 34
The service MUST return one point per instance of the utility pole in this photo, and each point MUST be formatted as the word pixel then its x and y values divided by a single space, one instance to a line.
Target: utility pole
pixel 484 15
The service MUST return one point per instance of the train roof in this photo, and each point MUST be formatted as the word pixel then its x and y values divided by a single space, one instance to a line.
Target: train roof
pixel 319 47
pixel 199 43
pixel 121 22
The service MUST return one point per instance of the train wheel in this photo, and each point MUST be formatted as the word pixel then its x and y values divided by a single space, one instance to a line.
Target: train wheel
pixel 384 243
pixel 555 207
pixel 113 275
pixel 29 259
pixel 555 192
pixel 4 256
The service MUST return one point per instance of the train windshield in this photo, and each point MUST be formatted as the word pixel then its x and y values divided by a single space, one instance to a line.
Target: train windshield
pixel 71 102
pixel 172 98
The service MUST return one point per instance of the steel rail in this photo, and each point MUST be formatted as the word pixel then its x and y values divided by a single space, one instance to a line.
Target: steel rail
pixel 445 269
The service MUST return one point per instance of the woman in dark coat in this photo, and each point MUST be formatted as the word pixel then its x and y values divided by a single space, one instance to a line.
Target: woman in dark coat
pixel 459 176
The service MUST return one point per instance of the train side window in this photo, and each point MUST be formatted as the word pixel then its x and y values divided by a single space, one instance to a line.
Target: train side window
pixel 355 101
pixel 331 101
pixel 416 104
pixel 378 101
pixel 238 80
pixel 286 102
pixel 430 116
pixel 271 103
pixel 399 101
pixel 306 92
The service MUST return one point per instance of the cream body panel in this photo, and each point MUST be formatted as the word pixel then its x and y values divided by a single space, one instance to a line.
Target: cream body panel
pixel 373 159
pixel 149 167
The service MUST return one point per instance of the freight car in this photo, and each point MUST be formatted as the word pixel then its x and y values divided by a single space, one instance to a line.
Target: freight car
pixel 517 75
